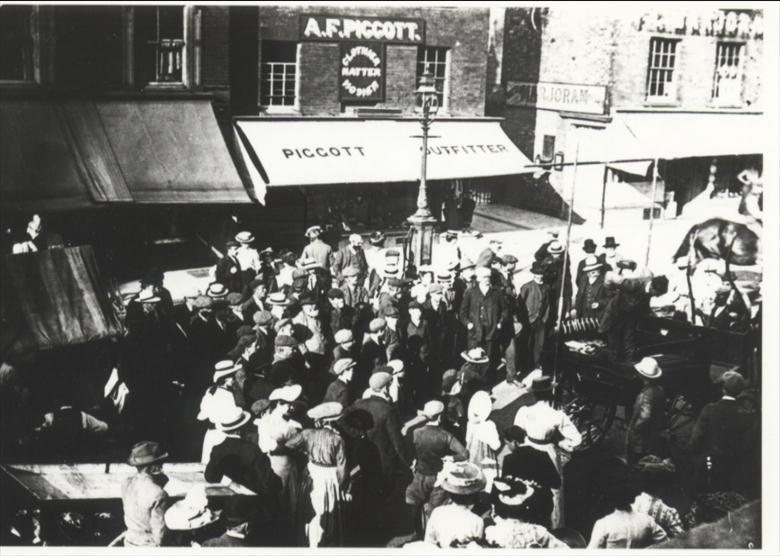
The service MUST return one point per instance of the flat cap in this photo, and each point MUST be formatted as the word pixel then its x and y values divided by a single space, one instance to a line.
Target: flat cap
pixel 234 298
pixel 286 393
pixel 343 365
pixel 285 341
pixel 335 293
pixel 262 318
pixel 377 324
pixel 343 336
pixel 379 380
pixel 326 411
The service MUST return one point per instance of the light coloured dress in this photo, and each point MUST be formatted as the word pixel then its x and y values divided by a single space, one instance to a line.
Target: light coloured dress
pixel 622 529
pixel 451 524
pixel 513 533
pixel 483 444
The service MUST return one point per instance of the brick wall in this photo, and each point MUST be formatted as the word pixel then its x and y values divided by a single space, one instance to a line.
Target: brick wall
pixel 215 29
pixel 463 31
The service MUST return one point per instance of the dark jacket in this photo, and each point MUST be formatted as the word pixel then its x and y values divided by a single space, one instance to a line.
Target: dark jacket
pixel 722 429
pixel 485 312
pixel 648 421
pixel 533 303
pixel 535 465
pixel 337 391
pixel 345 258
pixel 228 273
pixel 385 434
pixel 588 294
pixel 431 444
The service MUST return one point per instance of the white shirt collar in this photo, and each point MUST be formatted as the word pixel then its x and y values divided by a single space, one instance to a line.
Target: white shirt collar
pixel 727 397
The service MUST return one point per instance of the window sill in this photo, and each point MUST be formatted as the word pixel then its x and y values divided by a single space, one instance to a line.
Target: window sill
pixel 279 110
pixel 727 105
pixel 661 102
pixel 166 86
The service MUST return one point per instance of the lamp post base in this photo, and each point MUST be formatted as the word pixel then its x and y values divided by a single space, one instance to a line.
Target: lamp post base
pixel 422 237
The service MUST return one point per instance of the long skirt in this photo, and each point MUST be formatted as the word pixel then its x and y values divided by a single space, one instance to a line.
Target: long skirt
pixel 327 526
pixel 286 468
pixel 559 458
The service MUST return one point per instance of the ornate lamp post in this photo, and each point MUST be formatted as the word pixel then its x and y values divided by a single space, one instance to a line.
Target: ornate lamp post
pixel 422 220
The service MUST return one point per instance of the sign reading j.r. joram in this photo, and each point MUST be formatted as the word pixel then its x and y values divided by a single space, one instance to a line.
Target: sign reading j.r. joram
pixel 362 72
pixel 587 99
pixel 336 28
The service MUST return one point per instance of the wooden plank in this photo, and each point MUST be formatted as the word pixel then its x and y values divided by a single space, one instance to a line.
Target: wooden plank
pixel 90 482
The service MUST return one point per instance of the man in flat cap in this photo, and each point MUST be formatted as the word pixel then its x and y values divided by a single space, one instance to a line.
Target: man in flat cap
pixel 258 292
pixel 338 390
pixel 725 435
pixel 350 255
pixel 385 434
pixel 285 368
pixel 373 353
pixel 339 315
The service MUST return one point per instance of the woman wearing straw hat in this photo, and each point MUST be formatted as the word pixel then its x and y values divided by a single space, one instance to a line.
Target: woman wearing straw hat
pixel 144 499
pixel 455 522
pixel 324 448
pixel 242 462
pixel 190 522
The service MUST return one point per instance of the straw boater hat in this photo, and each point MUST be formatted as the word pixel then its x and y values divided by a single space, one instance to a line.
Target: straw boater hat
pixel 233 419
pixel 313 231
pixel 245 237
pixel 217 291
pixel 278 298
pixel 327 411
pixel 592 263
pixel 146 453
pixel 431 410
pixel 648 367
pixel 480 407
pixel 463 477
pixel 475 355
pixel 192 512
pixel 224 368
pixel 555 247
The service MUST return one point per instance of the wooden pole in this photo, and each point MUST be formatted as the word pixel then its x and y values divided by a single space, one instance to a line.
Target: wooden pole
pixel 557 334
pixel 652 212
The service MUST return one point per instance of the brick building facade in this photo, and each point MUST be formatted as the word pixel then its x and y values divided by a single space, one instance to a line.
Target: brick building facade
pixel 697 71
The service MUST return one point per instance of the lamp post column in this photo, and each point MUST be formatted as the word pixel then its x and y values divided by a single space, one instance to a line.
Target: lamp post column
pixel 422 221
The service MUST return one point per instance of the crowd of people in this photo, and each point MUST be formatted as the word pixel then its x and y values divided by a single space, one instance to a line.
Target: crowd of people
pixel 334 384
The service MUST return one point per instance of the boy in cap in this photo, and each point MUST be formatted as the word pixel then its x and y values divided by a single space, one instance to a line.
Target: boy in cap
pixel 432 446
pixel 339 314
pixel 338 390
pixel 258 293
pixel 373 353
pixel 346 346
pixel 385 434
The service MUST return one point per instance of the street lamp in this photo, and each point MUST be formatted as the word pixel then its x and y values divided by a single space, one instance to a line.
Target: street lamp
pixel 422 220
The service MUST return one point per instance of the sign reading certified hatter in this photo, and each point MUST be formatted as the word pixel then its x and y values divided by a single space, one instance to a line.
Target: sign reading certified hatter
pixel 337 28
pixel 566 97
pixel 362 74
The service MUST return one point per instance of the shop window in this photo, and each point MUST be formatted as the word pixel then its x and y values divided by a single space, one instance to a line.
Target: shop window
pixel 18 43
pixel 661 78
pixel 160 45
pixel 436 61
pixel 548 147
pixel 646 213
pixel 279 75
pixel 727 84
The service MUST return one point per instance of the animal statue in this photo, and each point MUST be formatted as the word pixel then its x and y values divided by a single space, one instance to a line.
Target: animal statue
pixel 735 242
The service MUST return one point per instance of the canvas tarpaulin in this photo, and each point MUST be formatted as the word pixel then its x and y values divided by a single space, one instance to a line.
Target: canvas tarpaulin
pixel 54 298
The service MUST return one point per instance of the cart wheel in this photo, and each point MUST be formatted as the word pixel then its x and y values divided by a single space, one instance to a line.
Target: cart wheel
pixel 592 418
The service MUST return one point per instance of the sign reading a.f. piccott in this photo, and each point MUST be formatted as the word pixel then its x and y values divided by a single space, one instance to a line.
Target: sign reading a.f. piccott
pixel 564 97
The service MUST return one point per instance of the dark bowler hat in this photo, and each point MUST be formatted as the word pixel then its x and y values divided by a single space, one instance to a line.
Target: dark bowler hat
pixel 146 452
pixel 589 246
pixel 609 241
pixel 537 268
pixel 542 384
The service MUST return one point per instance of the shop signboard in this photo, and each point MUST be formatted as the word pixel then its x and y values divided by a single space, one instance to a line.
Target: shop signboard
pixel 362 72
pixel 563 97
pixel 339 28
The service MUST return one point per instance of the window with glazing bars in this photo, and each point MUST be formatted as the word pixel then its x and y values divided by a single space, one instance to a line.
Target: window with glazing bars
pixel 435 60
pixel 727 84
pixel 279 73
pixel 660 70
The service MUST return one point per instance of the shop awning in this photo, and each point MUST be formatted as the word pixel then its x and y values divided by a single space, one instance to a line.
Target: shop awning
pixel 38 170
pixel 54 298
pixel 287 152
pixel 61 154
pixel 171 151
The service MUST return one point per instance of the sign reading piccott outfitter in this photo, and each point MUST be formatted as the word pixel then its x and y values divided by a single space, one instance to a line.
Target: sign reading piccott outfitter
pixel 337 28
pixel 565 97
pixel 362 72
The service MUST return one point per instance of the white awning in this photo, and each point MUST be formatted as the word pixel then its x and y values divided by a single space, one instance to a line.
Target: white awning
pixel 285 152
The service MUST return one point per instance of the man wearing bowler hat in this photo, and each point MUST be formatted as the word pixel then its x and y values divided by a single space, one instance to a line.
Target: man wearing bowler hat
pixel 144 499
pixel 610 256
pixel 592 297
pixel 589 246
pixel 228 271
